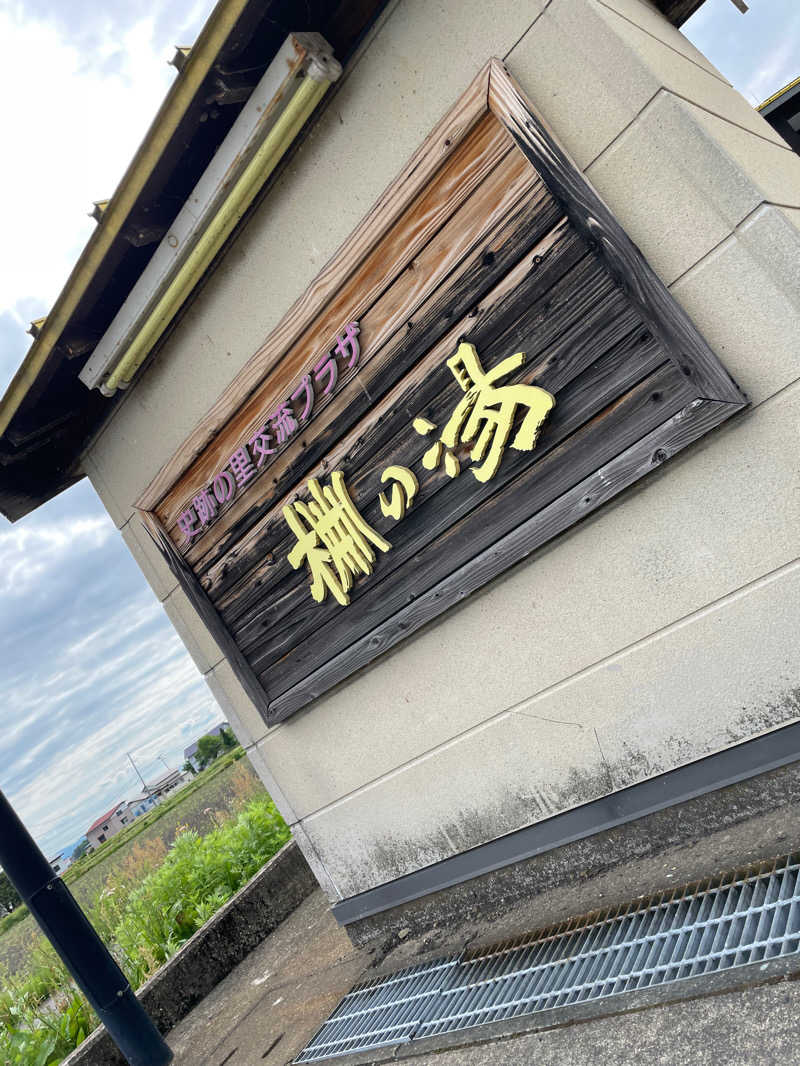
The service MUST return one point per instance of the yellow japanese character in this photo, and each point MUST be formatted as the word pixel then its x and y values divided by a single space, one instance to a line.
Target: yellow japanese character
pixel 487 413
pixel 404 489
pixel 333 538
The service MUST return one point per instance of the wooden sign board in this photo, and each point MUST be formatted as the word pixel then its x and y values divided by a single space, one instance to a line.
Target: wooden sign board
pixel 489 244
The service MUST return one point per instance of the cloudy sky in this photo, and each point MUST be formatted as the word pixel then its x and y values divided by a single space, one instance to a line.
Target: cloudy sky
pixel 78 687
pixel 81 687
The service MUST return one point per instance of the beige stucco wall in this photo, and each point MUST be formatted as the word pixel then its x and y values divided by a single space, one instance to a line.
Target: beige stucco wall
pixel 662 629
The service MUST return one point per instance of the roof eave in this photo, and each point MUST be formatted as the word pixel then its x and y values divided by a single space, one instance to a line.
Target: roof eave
pixel 28 475
pixel 176 103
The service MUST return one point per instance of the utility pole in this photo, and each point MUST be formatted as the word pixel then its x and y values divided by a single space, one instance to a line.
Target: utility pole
pixel 136 768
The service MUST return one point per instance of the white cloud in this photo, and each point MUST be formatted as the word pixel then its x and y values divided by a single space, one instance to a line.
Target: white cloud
pixel 97 671
pixel 91 667
pixel 759 52
pixel 85 86
pixel 72 139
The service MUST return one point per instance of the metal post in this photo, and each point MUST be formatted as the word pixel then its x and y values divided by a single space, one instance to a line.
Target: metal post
pixel 136 768
pixel 81 949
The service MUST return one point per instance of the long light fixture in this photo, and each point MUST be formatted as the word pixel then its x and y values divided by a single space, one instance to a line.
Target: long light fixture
pixel 275 113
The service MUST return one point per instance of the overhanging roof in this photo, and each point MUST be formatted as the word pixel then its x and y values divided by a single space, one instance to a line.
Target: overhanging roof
pixel 102 818
pixel 46 415
pixel 782 111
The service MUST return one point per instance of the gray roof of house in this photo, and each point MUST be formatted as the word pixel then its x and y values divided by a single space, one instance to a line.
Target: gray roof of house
pixel 213 732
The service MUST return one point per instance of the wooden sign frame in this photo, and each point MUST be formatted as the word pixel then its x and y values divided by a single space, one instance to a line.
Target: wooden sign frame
pixel 681 392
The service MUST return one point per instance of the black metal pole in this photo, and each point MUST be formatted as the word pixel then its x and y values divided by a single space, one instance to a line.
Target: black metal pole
pixel 81 949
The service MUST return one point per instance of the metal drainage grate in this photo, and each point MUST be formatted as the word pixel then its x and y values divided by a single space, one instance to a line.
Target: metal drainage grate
pixel 741 918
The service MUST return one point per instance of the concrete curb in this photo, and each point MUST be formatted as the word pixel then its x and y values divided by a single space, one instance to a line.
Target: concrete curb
pixel 214 951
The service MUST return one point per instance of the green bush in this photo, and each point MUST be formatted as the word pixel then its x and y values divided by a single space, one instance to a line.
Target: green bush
pixel 15 916
pixel 43 1018
pixel 146 919
pixel 197 877
pixel 130 832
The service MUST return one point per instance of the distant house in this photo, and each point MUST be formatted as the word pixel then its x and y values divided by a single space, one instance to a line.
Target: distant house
pixel 168 783
pixel 108 825
pixel 61 863
pixel 127 811
pixel 190 753
pixel 140 804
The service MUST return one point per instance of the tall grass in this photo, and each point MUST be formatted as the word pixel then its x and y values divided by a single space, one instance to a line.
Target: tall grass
pixel 149 906
pixel 8 921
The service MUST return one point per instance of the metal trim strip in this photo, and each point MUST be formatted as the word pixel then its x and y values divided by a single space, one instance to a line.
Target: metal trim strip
pixel 737 763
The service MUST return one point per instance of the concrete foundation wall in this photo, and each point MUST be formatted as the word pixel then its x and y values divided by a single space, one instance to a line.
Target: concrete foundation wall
pixel 662 629
pixel 214 951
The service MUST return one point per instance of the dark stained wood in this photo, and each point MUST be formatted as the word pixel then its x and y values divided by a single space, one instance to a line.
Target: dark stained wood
pixel 383 420
pixel 678 11
pixel 459 539
pixel 640 459
pixel 510 249
pixel 473 277
pixel 442 144
pixel 458 179
pixel 581 344
pixel 595 388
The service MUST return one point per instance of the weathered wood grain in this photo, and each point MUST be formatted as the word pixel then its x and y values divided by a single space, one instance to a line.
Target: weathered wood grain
pixel 459 538
pixel 437 151
pixel 376 377
pixel 510 210
pixel 579 344
pixel 597 489
pixel 274 633
pixel 478 250
pixel 468 169
pixel 574 371
pixel 277 620
pixel 522 287
pixel 589 214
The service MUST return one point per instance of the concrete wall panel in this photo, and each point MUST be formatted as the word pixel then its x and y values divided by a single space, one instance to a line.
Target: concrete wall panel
pixel 118 514
pixel 724 675
pixel 149 559
pixel 248 725
pixel 647 17
pixel 745 296
pixel 687 537
pixel 199 643
pixel 591 71
pixel 660 166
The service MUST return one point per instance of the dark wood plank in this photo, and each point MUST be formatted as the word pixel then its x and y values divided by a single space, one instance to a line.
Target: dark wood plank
pixel 478 156
pixel 436 151
pixel 583 383
pixel 389 352
pixel 665 317
pixel 600 330
pixel 635 462
pixel 545 321
pixel 529 291
pixel 460 538
pixel 278 622
pixel 678 11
